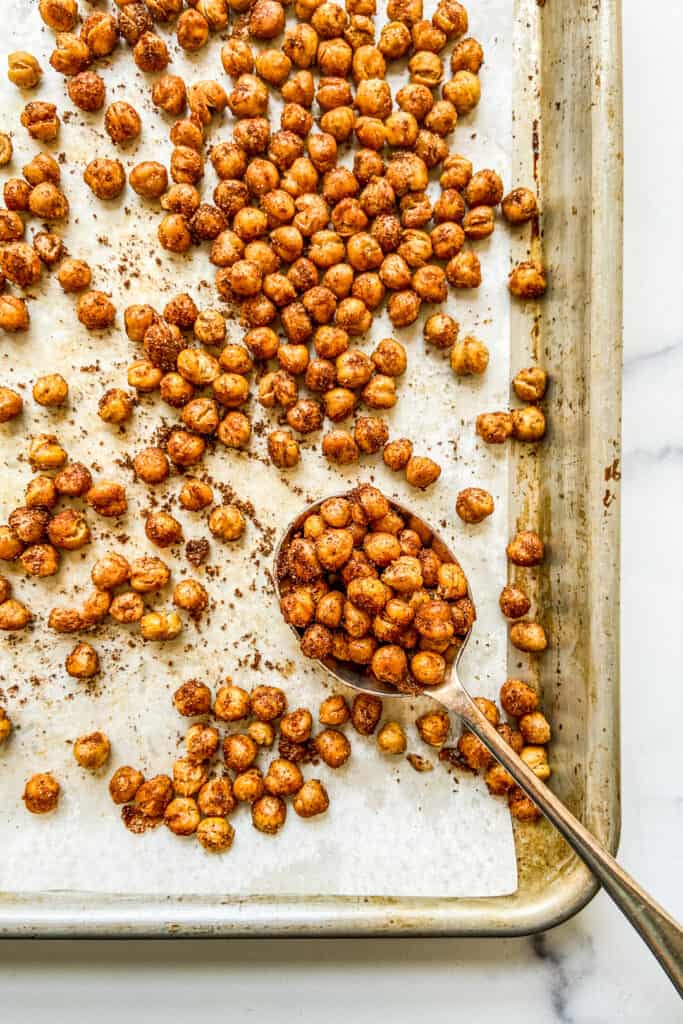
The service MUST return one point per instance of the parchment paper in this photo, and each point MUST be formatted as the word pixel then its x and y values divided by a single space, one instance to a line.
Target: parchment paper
pixel 389 831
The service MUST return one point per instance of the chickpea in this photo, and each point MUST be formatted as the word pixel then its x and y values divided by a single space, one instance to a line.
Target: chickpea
pixel 316 642
pixel 215 834
pixel 366 712
pixel 106 178
pixel 11 404
pixel 16 193
pixel 518 698
pixel 133 20
pixel 182 816
pixel 148 574
pixel 268 703
pixel 150 53
pixel 41 793
pixel 536 758
pixel 51 390
pixel 519 206
pixel 311 799
pixel 298 608
pixel 107 498
pixel 474 504
pixel 92 751
pixel 49 247
pixel 185 449
pixel 20 263
pixel 528 636
pixel 494 427
pixel 29 524
pixel 526 548
pixel 463 91
pixel 216 797
pixel 191 595
pixel 100 32
pixel 534 728
pixel 12 228
pixel 45 452
pixel 201 742
pixel 467 55
pixel 434 728
pixel 14 314
pixel 40 560
pixel 149 179
pixel 530 384
pixel 268 812
pixel 127 607
pixel 422 472
pixel 192 698
pixel 13 615
pixel 464 270
pixel 10 545
pixel 266 19
pixel 240 751
pixel 528 424
pixel 527 280
pixel 181 198
pixel 197 366
pixel 339 446
pixel 6 149
pixel 428 668
pixel 41 120
pixel 192 30
pixel 71 55
pixel 124 784
pixel 162 529
pixel 74 480
pixel 154 795
pixel 23 70
pixel 333 747
pixel 41 493
pixel 115 406
pixel 283 778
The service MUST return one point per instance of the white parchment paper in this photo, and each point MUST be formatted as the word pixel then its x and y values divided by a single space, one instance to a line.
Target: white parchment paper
pixel 389 831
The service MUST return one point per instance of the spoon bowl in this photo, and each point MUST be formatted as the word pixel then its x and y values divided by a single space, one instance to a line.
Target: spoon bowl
pixel 658 929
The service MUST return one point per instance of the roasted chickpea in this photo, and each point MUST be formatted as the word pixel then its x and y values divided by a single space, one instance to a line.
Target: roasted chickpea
pixel 92 751
pixel 534 728
pixel 74 480
pixel 434 728
pixel 149 179
pixel 185 449
pixel 527 280
pixel 11 404
pixel 127 607
pixel 20 263
pixel 528 636
pixel 160 626
pixel 106 178
pixel 428 668
pixel 71 55
pixel 240 751
pixel 107 498
pixel 494 427
pixel 13 614
pixel 16 193
pixel 154 795
pixel 148 574
pixel 6 149
pixel 124 784
pixel 526 548
pixel 49 247
pixel 192 698
pixel 23 70
pixel 69 530
pixel 530 384
pixel 45 452
pixel 115 406
pixel 519 206
pixel 133 20
pixel 82 662
pixel 41 120
pixel 41 493
pixel 528 424
pixel 150 53
pixel 163 529
pixel 201 743
pixel 518 698
pixel 216 797
pixel 333 747
pixel 474 504
pixel 51 390
pixel 226 522
pixel 41 793
pixel 13 313
pixel 191 595
pixel 40 560
pixel 311 799
pixel 283 778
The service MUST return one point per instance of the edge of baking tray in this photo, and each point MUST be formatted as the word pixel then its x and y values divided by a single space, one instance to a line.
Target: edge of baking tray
pixel 569 886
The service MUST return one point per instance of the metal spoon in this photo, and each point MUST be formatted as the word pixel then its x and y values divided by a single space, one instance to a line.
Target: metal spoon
pixel 659 930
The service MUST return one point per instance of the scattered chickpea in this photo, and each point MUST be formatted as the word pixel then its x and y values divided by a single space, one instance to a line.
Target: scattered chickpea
pixel 192 698
pixel 528 424
pixel 469 356
pixel 513 602
pixel 434 728
pixel 391 739
pixel 23 70
pixel 422 472
pixel 82 662
pixel 41 793
pixel 494 427
pixel 92 751
pixel 51 390
pixel 474 504
pixel 527 280
pixel 124 784
pixel 215 834
pixel 160 626
pixel 11 404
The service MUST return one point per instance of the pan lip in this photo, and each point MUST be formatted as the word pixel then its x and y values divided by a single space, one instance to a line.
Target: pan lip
pixel 278 575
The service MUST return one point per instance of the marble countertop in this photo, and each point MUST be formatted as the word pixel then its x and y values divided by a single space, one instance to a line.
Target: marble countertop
pixel 594 968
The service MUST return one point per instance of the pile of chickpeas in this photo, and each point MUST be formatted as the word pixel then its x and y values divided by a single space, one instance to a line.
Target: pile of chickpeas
pixel 363 584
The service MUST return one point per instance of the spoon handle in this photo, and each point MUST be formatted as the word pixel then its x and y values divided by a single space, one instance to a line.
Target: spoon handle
pixel 659 930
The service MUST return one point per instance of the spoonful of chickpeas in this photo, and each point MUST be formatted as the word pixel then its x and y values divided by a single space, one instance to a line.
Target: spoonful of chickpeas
pixel 377 597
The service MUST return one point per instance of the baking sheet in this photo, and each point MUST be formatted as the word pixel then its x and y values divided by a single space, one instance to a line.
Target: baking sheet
pixel 385 819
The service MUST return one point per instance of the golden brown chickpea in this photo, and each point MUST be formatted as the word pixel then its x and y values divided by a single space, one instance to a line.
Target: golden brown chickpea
pixel 479 222
pixel 16 193
pixel 226 522
pixel 268 813
pixel 11 226
pixel 41 121
pixel 192 698
pixel 283 778
pixel 48 202
pixel 311 799
pixel 195 494
pixel 185 449
pixel 215 834
pixel 71 55
pixel 115 406
pixel 106 178
pixel 494 427
pixel 201 742
pixel 45 452
pixel 195 365
pixel 124 784
pixel 240 751
pixel 49 247
pixel 192 30
pixel 528 424
pixel 370 434
pixel 526 548
pixel 262 733
pixel 333 711
pixel 169 93
pixel 149 179
pixel 390 665
pixel 188 776
pixel 14 314
pixel 51 390
pixel 41 793
pixel 536 758
pixel 340 447
pixel 366 712
pixel 10 545
pixel 20 263
pixel 530 384
pixel 467 55
pixel 513 602
pixel 391 739
pixel 216 797
pixel 41 493
pixel 154 796
pixel 316 642
pixel 107 498
pixel 464 270
pixel 266 19
pixel 11 404
pixel 191 596
pixel 95 310
pixel 527 280
pixel 182 199
pixel 329 609
pixel 40 560
pixel 463 91
pixel 100 33
pixel 422 472
pixel 163 529
pixel 74 480
pixel 133 20
pixel 534 728
pixel 283 448
pixel 6 149
pixel 434 727
pixel 469 356
pixel 65 620
pixel 428 668
pixel 23 70
pixel 92 751
pixel 150 53
pixel 148 574
pixel 268 703
pixel 518 698
pixel 82 662
pixel 333 747
pixel 127 607
pixel 519 206
pixel 474 504
pixel 29 524
pixel 13 615
pixel 528 636
pixel 95 607
pixel 234 430
pixel 182 816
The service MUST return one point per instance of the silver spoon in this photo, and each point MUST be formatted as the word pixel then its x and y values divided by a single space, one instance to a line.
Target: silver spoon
pixel 659 930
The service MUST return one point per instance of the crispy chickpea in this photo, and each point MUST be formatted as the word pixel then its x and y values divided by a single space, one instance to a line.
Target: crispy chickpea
pixel 107 498
pixel 49 247
pixel 192 698
pixel 366 712
pixel 534 728
pixel 528 424
pixel 148 574
pixel 133 20
pixel 528 636
pixel 428 668
pixel 181 816
pixel 434 727
pixel 23 70
pixel 70 55
pixel 195 494
pixel 115 406
pixel 464 270
pixel 467 55
pixel 13 615
pixel 268 812
pixel 127 607
pixel 268 703
pixel 311 799
pixel 48 202
pixel 6 149
pixel 65 620
pixel 74 480
pixel 150 53
pixel 333 747
pixel 494 427
pixel 240 751
pixel 124 784
pixel 226 522
pixel 334 711
pixel 536 758
pixel 513 602
pixel 261 733
pixel 29 524
pixel 519 206
pixel 41 120
pixel 526 548
pixel 530 384
pixel 41 493
pixel 40 560
pixel 188 776
pixel 518 698
pixel 527 280
pixel 106 178
pixel 474 504
pixel 191 596
pixel 397 454
pixel 41 793
pixel 185 449
pixel 149 179
pixel 463 91
pixel 92 751
pixel 154 795
pixel 201 742
pixel 11 404
pixel 316 642
pixel 216 797
pixel 45 452
pixel 192 30
pixel 339 446
pixel 266 19
pixel 422 472
pixel 51 390
pixel 469 356
pixel 11 227
pixel 16 193
pixel 248 786
pixel 163 529
pixel 14 314
pixel 283 778
pixel 441 330
pixel 20 263
pixel 181 198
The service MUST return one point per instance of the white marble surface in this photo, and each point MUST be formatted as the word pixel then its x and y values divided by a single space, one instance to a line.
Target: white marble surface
pixel 592 969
